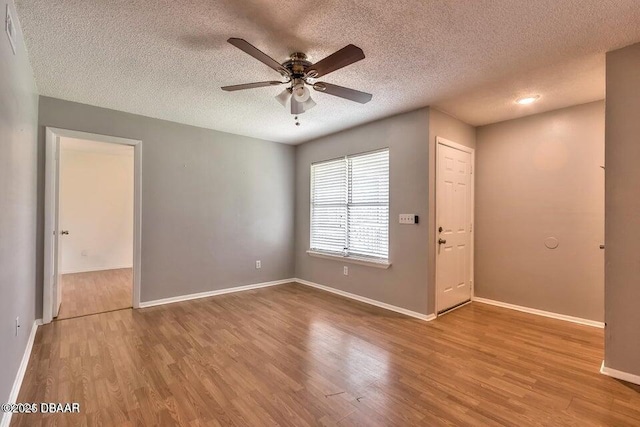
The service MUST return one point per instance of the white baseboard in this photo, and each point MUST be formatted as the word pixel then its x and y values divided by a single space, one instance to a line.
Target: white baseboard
pixel 550 314
pixel 22 369
pixel 426 317
pixel 90 270
pixel 145 304
pixel 619 375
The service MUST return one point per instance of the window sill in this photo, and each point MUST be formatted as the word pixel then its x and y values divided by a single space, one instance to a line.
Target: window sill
pixel 351 259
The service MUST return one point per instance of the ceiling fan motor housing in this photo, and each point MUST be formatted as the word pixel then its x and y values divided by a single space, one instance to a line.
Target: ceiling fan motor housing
pixel 297 64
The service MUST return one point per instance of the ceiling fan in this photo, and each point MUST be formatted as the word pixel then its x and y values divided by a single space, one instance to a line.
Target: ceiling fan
pixel 300 73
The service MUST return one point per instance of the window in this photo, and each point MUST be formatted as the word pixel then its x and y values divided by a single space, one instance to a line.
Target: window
pixel 350 206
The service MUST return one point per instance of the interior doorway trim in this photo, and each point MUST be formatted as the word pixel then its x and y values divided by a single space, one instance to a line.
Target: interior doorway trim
pixel 440 142
pixel 52 142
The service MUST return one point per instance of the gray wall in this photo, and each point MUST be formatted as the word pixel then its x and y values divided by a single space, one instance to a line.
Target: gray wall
pixel 537 177
pixel 444 126
pixel 404 284
pixel 622 212
pixel 212 203
pixel 18 172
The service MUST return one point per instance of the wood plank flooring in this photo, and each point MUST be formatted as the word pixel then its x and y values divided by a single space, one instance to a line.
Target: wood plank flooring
pixel 295 356
pixel 95 292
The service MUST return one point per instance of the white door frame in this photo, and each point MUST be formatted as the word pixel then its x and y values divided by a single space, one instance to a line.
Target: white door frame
pixel 442 141
pixel 52 195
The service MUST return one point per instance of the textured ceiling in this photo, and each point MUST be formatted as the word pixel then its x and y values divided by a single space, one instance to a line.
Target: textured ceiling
pixel 167 59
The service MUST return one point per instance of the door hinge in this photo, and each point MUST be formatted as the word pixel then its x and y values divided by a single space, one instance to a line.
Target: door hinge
pixel 471 228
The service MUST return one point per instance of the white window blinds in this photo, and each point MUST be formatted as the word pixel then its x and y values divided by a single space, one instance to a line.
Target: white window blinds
pixel 350 205
pixel 329 206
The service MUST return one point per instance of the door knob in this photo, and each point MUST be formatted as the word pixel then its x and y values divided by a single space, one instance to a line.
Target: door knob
pixel 64 232
pixel 441 241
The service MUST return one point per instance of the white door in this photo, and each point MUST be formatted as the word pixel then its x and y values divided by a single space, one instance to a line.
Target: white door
pixel 59 235
pixel 52 238
pixel 453 225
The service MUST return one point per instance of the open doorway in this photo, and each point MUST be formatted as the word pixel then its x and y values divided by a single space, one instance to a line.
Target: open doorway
pixel 96 219
pixel 92 212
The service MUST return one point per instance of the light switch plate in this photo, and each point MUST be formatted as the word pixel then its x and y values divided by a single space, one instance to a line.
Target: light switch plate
pixel 10 28
pixel 408 218
pixel 258 264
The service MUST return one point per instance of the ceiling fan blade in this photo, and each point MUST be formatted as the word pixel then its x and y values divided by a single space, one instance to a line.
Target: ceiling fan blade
pixel 343 92
pixel 345 56
pixel 250 49
pixel 296 107
pixel 251 85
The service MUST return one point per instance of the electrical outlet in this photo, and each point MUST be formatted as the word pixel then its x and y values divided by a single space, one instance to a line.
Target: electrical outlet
pixel 345 270
pixel 408 219
pixel 17 325
pixel 258 264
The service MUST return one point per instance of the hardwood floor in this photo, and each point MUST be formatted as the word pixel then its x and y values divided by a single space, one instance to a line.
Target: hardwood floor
pixel 296 356
pixel 95 292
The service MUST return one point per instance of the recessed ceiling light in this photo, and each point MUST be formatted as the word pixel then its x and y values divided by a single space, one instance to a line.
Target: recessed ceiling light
pixel 528 100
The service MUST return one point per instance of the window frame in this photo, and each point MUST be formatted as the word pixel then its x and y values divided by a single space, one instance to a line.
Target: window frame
pixel 347 257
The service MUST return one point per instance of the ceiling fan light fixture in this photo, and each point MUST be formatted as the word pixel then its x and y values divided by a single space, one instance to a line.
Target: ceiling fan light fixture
pixel 301 92
pixel 283 97
pixel 308 104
